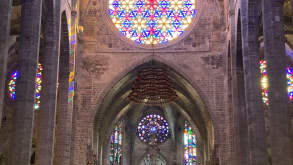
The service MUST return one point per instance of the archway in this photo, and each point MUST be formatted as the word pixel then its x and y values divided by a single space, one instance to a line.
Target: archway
pixel 189 106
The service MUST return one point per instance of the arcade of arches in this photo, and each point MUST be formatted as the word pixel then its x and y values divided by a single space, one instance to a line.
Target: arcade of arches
pixel 146 82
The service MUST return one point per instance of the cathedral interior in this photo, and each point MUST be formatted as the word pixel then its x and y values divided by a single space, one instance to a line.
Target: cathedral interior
pixel 146 82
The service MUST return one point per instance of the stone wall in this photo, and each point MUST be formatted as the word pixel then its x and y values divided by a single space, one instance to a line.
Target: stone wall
pixel 104 58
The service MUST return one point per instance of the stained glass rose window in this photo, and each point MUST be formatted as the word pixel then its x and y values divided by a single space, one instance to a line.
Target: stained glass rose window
pixel 153 129
pixel 152 21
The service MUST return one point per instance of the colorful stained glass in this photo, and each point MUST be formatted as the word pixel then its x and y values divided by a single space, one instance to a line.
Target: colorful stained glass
pixel 264 81
pixel 289 72
pixel 116 145
pixel 265 84
pixel 153 129
pixel 38 87
pixel 12 84
pixel 189 145
pixel 152 21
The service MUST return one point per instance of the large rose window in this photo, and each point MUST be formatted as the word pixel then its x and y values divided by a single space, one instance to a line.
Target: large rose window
pixel 152 21
pixel 153 129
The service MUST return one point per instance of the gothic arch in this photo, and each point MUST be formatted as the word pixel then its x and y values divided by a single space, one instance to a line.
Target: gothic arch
pixel 115 103
pixel 126 72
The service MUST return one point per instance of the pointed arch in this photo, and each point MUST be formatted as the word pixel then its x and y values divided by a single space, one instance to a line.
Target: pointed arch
pixel 115 104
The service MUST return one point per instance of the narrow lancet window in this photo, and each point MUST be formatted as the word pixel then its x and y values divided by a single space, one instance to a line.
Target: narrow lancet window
pixel 289 72
pixel 12 84
pixel 264 82
pixel 116 144
pixel 38 86
pixel 190 156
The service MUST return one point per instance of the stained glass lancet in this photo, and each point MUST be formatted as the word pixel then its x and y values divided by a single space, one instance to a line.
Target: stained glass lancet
pixel 265 84
pixel 190 156
pixel 264 81
pixel 38 87
pixel 289 72
pixel 116 144
pixel 152 21
pixel 12 86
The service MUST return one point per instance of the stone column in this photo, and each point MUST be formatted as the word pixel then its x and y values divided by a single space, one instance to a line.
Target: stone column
pixel 5 12
pixel 127 142
pixel 64 111
pixel 47 115
pixel 250 10
pixel 274 51
pixel 21 141
pixel 238 95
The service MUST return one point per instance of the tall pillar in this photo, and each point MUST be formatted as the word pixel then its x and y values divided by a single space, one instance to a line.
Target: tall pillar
pixel 64 111
pixel 50 62
pixel 238 93
pixel 255 114
pixel 127 142
pixel 5 12
pixel 274 48
pixel 21 141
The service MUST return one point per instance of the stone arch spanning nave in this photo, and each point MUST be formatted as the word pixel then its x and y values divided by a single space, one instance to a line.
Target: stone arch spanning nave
pixel 69 67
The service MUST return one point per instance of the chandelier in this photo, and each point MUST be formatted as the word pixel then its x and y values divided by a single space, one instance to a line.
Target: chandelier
pixel 152 86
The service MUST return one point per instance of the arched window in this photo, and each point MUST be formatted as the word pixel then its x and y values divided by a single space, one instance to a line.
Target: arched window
pixel 12 86
pixel 152 21
pixel 116 144
pixel 190 149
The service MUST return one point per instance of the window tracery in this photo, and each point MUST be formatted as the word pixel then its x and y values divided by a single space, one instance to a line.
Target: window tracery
pixel 116 144
pixel 153 129
pixel 190 148
pixel 152 21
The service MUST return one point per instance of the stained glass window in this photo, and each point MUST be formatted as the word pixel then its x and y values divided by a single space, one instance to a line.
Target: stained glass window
pixel 38 87
pixel 289 72
pixel 12 84
pixel 116 145
pixel 153 129
pixel 189 145
pixel 265 85
pixel 264 81
pixel 152 21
